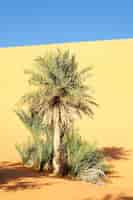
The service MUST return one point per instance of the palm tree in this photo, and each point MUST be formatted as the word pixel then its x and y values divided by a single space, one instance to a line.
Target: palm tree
pixel 60 95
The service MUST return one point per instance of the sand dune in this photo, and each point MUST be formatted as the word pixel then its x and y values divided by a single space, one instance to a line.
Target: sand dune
pixel 112 126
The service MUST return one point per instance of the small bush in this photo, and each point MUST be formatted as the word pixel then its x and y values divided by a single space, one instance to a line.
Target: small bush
pixel 92 175
pixel 85 161
pixel 79 158
pixel 35 154
pixel 38 149
pixel 25 150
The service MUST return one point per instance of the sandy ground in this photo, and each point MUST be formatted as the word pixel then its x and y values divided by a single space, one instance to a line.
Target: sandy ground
pixel 112 126
pixel 17 182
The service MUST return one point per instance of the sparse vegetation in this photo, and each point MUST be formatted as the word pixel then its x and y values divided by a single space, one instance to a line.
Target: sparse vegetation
pixel 85 161
pixel 81 159
pixel 38 150
pixel 60 95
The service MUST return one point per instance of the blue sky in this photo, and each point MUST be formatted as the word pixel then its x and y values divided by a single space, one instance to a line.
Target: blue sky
pixel 28 22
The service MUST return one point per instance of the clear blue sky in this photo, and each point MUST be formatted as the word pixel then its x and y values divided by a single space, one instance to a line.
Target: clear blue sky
pixel 28 22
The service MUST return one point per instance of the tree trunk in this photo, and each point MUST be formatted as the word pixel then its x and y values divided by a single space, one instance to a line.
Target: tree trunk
pixel 41 166
pixel 57 141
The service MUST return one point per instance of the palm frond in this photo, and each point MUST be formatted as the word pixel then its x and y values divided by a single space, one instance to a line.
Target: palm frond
pixel 61 89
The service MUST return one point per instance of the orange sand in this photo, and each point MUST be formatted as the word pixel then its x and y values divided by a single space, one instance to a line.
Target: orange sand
pixel 112 126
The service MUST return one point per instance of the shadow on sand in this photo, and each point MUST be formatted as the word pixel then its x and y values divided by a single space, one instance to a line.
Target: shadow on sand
pixel 112 197
pixel 113 154
pixel 116 153
pixel 14 176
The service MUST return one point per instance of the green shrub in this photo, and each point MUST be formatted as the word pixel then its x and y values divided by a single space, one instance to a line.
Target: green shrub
pixel 81 159
pixel 25 150
pixel 85 161
pixel 37 151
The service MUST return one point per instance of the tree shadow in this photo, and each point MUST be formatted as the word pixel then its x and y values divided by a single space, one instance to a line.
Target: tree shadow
pixel 112 197
pixel 118 197
pixel 21 185
pixel 14 176
pixel 115 153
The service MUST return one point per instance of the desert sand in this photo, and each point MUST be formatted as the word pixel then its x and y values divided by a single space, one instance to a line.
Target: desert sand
pixel 111 128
